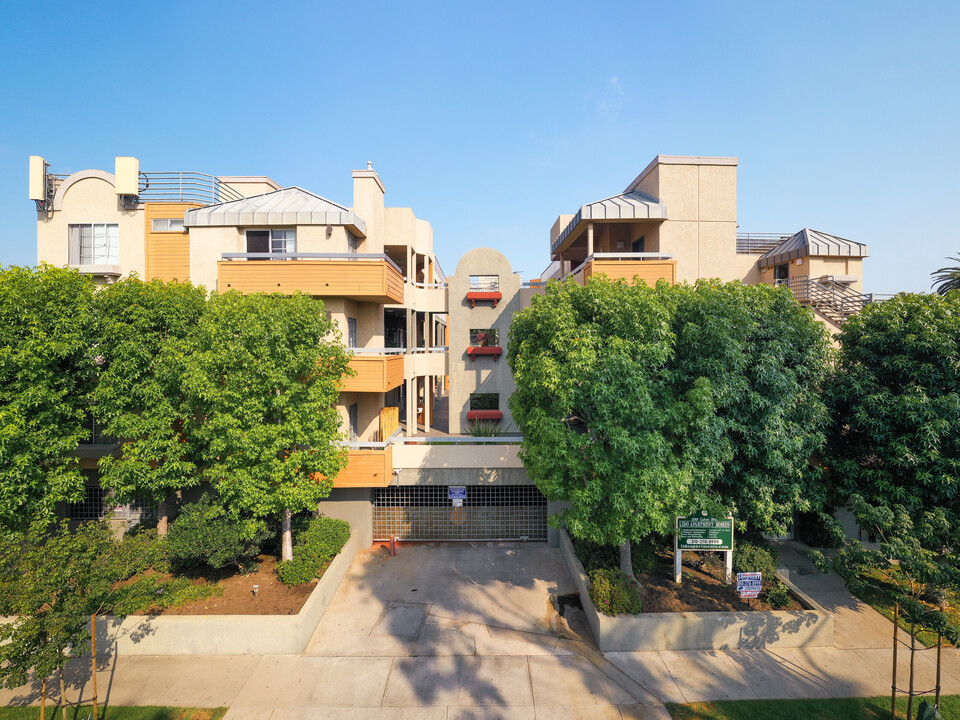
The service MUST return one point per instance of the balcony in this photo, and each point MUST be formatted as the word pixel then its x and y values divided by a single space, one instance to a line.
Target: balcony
pixel 367 277
pixel 189 187
pixel 647 267
pixel 366 467
pixel 378 370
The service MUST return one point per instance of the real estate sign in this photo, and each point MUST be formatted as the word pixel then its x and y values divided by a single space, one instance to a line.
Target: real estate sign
pixel 700 532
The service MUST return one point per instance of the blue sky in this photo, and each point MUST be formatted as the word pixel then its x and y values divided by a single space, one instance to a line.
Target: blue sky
pixel 490 119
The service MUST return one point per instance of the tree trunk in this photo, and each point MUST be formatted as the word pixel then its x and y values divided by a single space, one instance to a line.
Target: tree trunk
pixel 93 660
pixel 162 521
pixel 63 695
pixel 43 700
pixel 287 540
pixel 626 561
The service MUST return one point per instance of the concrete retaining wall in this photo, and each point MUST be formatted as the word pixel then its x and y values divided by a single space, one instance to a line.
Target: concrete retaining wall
pixel 812 627
pixel 227 634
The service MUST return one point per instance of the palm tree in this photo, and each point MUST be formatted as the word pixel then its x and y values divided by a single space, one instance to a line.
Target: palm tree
pixel 947 278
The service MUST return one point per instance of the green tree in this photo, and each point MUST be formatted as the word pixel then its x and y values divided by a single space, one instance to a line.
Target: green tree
pixel 144 340
pixel 599 417
pixel 52 580
pixel 264 380
pixel 947 278
pixel 894 447
pixel 46 375
pixel 765 360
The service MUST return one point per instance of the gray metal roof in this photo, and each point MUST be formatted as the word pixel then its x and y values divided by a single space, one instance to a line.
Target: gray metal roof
pixel 633 205
pixel 290 206
pixel 814 243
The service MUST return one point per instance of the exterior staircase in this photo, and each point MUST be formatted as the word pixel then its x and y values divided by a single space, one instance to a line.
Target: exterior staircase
pixel 834 300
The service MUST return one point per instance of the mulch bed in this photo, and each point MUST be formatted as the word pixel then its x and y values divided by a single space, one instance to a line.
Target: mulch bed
pixel 703 588
pixel 272 598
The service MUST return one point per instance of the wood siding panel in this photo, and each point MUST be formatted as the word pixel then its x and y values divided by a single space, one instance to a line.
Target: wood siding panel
pixel 367 468
pixel 369 280
pixel 167 253
pixel 389 421
pixel 374 374
pixel 649 271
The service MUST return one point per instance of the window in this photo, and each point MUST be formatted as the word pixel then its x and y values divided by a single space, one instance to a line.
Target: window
pixel 274 242
pixel 353 415
pixel 94 244
pixel 167 225
pixel 94 503
pixel 484 401
pixel 95 434
pixel 353 242
pixel 484 283
pixel 781 273
pixel 489 337
pixel 351 332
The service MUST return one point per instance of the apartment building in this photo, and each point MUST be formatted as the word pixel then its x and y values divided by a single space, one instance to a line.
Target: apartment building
pixel 429 351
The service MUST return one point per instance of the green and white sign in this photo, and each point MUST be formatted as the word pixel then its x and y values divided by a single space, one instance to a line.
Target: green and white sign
pixel 700 532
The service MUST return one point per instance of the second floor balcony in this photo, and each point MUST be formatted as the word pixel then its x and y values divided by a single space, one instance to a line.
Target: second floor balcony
pixel 368 277
pixel 377 370
pixel 642 266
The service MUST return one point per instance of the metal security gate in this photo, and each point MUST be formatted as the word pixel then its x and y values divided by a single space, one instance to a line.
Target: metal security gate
pixel 489 512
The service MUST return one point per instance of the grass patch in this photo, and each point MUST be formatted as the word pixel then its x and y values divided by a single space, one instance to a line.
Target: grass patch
pixel 146 712
pixel 877 708
pixel 878 593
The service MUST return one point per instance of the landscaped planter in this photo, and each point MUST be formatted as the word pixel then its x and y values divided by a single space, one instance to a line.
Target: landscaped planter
pixel 227 634
pixel 484 415
pixel 811 627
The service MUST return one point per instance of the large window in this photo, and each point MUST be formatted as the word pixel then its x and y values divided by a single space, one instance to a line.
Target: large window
pixel 167 225
pixel 274 242
pixel 484 401
pixel 489 337
pixel 94 244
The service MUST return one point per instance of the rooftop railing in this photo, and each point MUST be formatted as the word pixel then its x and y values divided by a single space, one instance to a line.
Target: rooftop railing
pixel 186 186
pixel 758 243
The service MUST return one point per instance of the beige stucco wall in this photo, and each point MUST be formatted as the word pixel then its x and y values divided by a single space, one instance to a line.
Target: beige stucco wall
pixel 369 405
pixel 207 245
pixel 483 374
pixel 90 197
pixel 368 204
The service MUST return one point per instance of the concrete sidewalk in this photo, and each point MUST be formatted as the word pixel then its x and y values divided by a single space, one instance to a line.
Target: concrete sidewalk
pixel 861 664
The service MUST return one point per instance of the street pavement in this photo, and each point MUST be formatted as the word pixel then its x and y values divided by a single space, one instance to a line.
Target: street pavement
pixel 469 631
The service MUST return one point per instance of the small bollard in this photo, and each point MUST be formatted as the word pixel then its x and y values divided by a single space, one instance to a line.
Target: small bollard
pixel 393 546
pixel 256 590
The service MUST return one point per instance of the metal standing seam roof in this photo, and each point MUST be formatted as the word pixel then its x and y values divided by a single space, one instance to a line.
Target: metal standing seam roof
pixel 290 206
pixel 813 243
pixel 633 205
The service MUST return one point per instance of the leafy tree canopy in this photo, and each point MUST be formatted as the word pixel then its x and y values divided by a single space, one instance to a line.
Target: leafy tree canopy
pixel 143 340
pixel 264 378
pixel 894 447
pixel 46 375
pixel 638 404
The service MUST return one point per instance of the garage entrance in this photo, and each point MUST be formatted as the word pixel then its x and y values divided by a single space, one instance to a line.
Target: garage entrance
pixel 489 512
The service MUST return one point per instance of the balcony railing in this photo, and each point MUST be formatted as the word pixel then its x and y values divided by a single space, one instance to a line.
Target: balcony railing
pixel 758 243
pixel 185 186
pixel 648 266
pixel 372 277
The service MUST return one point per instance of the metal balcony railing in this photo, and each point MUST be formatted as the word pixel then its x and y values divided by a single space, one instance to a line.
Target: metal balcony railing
pixel 758 243
pixel 186 186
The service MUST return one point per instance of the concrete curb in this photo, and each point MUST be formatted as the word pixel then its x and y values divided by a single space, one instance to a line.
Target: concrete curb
pixel 811 627
pixel 227 634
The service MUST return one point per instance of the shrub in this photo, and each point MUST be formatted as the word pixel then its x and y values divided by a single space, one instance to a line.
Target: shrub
pixel 643 553
pixel 204 534
pixel 613 593
pixel 755 557
pixel 778 595
pixel 313 548
pixel 141 550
